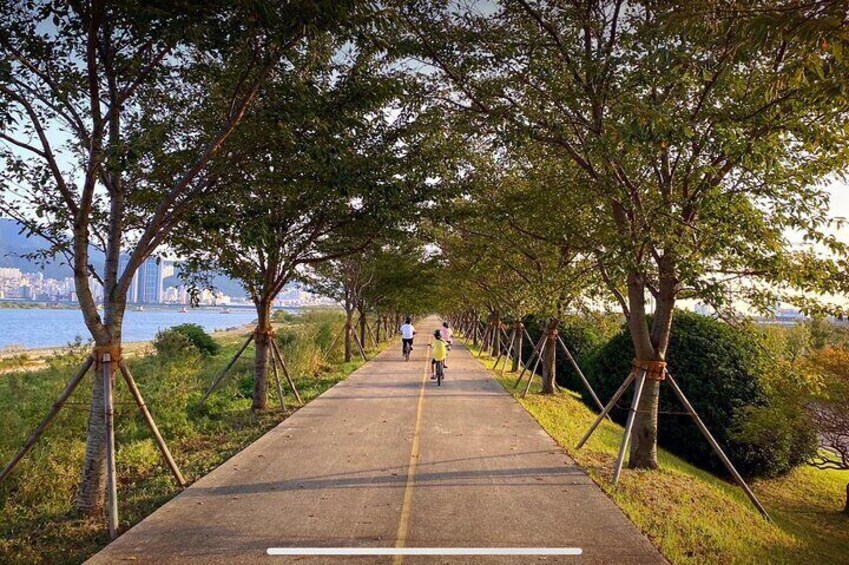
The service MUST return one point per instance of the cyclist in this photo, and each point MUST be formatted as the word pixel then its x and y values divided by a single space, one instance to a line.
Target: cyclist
pixel 407 333
pixel 448 338
pixel 440 351
pixel 447 334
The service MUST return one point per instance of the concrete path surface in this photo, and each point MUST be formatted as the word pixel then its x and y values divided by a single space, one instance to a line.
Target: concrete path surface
pixel 388 459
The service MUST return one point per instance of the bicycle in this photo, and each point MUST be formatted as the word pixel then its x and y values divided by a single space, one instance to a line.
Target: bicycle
pixel 440 372
pixel 407 348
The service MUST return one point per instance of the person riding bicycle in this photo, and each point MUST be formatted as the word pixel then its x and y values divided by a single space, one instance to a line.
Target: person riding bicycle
pixel 407 333
pixel 440 352
pixel 447 335
pixel 448 338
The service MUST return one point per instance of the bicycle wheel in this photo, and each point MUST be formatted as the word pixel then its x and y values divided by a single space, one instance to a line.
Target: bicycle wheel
pixel 440 370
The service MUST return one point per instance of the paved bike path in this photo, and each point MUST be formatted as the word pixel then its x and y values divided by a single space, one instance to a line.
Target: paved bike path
pixel 385 459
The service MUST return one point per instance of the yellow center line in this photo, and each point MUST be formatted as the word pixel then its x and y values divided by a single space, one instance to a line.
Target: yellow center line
pixel 404 523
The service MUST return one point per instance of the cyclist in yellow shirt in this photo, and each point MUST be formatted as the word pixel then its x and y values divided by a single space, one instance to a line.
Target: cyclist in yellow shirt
pixel 440 352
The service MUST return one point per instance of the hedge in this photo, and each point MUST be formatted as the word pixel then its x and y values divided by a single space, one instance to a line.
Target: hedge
pixel 717 367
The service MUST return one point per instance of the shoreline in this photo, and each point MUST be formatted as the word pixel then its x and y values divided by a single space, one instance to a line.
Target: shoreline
pixel 35 357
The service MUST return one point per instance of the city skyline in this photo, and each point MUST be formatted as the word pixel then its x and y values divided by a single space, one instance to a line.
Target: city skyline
pixel 147 288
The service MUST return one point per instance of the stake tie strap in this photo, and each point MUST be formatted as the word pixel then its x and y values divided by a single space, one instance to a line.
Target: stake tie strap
pixel 99 351
pixel 552 332
pixel 269 332
pixel 655 370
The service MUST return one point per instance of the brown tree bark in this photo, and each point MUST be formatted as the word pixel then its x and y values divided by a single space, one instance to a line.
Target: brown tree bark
pixel 649 344
pixel 91 496
pixel 495 338
pixel 363 322
pixel 549 358
pixel 349 328
pixel 262 355
pixel 517 345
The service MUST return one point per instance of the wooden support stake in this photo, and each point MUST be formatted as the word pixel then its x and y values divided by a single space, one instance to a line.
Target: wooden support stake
pixel 109 417
pixel 276 351
pixel 359 345
pixel 333 343
pixel 148 418
pixel 629 425
pixel 509 351
pixel 484 340
pixel 277 379
pixel 605 413
pixel 220 376
pixel 533 372
pixel 534 354
pixel 48 419
pixel 518 330
pixel 372 334
pixel 497 360
pixel 580 374
pixel 713 443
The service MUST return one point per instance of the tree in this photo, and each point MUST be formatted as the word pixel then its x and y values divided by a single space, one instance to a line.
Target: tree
pixel 702 133
pixel 314 171
pixel 345 280
pixel 406 281
pixel 523 246
pixel 111 113
pixel 829 411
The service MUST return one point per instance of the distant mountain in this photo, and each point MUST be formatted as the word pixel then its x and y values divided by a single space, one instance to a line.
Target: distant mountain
pixel 14 244
pixel 226 285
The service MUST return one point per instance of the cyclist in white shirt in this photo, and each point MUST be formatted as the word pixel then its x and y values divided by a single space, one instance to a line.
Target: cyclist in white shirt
pixel 407 333
pixel 447 337
pixel 447 334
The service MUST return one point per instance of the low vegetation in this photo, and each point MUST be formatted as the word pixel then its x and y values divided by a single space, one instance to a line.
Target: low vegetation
pixel 693 516
pixel 184 338
pixel 36 522
pixel 726 375
pixel 15 362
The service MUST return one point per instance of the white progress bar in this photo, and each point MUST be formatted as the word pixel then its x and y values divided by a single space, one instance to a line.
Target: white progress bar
pixel 425 551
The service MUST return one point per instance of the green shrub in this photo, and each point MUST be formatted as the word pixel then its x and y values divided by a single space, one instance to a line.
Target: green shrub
pixel 581 334
pixel 171 344
pixel 283 317
pixel 720 369
pixel 179 338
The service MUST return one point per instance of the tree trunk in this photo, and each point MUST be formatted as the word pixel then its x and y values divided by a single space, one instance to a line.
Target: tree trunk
pixel 91 497
pixel 377 329
pixel 495 338
pixel 475 326
pixel 349 314
pixel 518 328
pixel 649 346
pixel 549 358
pixel 363 325
pixel 262 355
